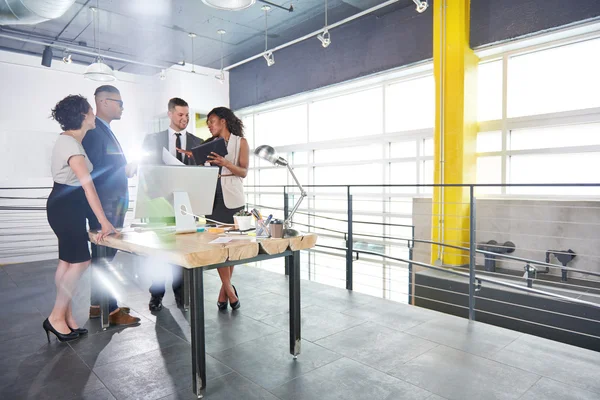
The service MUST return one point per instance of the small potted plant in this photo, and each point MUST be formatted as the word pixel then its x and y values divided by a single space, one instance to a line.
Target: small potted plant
pixel 243 220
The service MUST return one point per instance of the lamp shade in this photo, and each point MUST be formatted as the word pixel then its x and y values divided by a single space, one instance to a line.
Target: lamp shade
pixel 230 5
pixel 100 72
pixel 269 154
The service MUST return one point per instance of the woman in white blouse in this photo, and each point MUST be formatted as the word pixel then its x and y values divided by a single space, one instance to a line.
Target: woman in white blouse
pixel 229 197
pixel 66 210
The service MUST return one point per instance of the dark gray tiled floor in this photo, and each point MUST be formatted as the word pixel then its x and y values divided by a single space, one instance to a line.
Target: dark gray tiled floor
pixel 353 347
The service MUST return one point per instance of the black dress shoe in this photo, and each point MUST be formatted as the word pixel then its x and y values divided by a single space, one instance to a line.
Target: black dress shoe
pixel 236 305
pixel 60 336
pixel 155 303
pixel 222 305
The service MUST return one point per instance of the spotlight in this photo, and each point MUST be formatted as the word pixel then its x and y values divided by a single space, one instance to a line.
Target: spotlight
pixel 270 58
pixel 67 59
pixel 47 56
pixel 220 77
pixel 421 5
pixel 324 38
pixel 163 74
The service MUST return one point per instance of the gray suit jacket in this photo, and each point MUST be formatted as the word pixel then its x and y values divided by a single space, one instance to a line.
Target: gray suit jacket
pixel 155 142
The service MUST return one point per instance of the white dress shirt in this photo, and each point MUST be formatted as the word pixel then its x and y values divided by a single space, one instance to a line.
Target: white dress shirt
pixel 173 138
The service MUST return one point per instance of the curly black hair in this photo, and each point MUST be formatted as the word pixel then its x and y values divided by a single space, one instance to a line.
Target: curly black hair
pixel 234 124
pixel 70 112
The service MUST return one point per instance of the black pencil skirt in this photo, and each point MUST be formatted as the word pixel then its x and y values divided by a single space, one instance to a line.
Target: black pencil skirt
pixel 220 211
pixel 66 210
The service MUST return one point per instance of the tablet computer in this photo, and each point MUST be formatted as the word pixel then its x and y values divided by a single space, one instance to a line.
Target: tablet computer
pixel 201 152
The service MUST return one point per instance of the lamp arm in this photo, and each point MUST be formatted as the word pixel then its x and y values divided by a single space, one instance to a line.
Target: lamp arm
pixel 303 194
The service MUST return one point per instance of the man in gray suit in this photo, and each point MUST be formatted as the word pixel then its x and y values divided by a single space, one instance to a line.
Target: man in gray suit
pixel 175 139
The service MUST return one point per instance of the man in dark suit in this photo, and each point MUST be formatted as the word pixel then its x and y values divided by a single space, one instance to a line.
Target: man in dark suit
pixel 174 140
pixel 110 178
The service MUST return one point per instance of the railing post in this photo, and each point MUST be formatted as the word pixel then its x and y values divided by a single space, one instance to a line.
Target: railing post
pixel 411 245
pixel 349 244
pixel 286 211
pixel 472 253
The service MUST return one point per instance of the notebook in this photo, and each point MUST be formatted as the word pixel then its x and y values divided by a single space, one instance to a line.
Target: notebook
pixel 201 152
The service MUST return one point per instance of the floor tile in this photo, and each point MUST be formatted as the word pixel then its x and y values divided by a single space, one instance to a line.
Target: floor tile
pixel 392 314
pixel 376 346
pixel 264 306
pixel 347 379
pixel 267 361
pixel 564 363
pixel 460 333
pixel 231 329
pixel 457 375
pixel 53 372
pixel 115 345
pixel 227 387
pixel 317 322
pixel 549 389
pixel 155 374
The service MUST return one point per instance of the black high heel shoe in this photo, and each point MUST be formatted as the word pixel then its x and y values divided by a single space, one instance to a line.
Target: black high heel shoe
pixel 236 305
pixel 60 336
pixel 80 331
pixel 222 305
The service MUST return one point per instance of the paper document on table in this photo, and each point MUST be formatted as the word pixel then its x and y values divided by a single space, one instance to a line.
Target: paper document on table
pixel 168 158
pixel 221 240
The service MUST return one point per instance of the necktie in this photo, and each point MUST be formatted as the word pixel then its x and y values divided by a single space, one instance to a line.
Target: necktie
pixel 178 145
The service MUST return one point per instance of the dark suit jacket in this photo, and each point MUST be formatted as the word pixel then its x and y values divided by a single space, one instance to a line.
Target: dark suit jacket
pixel 105 153
pixel 155 142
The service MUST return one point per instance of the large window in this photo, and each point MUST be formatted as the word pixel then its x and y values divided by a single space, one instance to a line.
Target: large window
pixel 364 134
pixel 551 130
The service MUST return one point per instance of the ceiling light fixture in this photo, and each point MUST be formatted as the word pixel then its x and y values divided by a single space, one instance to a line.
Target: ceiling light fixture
pixel 192 36
pixel 229 5
pixel 421 5
pixel 268 54
pixel 324 37
pixel 47 57
pixel 98 71
pixel 221 75
pixel 67 57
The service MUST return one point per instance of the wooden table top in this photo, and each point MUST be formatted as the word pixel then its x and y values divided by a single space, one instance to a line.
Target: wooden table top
pixel 193 250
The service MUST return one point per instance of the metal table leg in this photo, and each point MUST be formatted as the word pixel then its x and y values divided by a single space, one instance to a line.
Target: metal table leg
pixel 104 311
pixel 187 277
pixel 197 325
pixel 295 321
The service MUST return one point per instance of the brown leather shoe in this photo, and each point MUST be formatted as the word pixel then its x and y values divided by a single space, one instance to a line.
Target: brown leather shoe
pixel 122 318
pixel 95 311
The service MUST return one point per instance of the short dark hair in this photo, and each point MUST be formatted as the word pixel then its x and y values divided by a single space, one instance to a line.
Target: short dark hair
pixel 106 89
pixel 70 112
pixel 176 101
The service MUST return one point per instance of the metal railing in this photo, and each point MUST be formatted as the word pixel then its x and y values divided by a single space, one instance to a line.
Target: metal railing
pixel 575 286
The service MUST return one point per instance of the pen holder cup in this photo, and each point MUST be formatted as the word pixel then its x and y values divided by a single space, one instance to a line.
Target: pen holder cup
pixel 276 227
pixel 243 223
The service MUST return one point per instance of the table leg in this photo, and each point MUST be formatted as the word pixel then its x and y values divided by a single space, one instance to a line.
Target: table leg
pixel 295 321
pixel 187 277
pixel 101 263
pixel 197 324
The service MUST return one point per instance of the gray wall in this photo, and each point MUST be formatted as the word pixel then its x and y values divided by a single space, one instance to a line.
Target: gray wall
pixel 372 44
pixel 534 226
pixel 362 47
pixel 495 21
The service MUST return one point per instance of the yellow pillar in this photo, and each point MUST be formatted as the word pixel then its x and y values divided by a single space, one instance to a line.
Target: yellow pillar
pixel 455 69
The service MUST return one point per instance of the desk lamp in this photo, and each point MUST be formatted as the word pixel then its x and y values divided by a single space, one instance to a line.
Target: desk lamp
pixel 269 154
